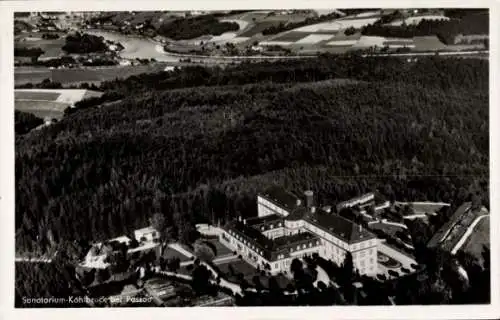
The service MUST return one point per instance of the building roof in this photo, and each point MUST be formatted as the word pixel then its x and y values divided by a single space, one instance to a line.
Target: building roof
pixel 266 220
pixel 340 227
pixel 145 230
pixel 280 197
pixel 297 214
pixel 270 249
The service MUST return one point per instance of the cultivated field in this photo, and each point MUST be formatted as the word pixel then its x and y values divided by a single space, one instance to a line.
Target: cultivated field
pixel 42 109
pixel 336 25
pixel 36 95
pixel 23 75
pixel 96 75
pixel 291 36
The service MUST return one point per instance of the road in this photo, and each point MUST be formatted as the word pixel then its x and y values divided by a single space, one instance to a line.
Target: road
pixel 467 233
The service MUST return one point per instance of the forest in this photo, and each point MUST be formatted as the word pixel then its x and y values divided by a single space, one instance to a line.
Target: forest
pixel 84 43
pixel 445 30
pixel 25 122
pixel 201 154
pixel 192 27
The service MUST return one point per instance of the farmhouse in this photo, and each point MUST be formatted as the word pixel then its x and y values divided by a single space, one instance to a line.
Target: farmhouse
pixel 288 227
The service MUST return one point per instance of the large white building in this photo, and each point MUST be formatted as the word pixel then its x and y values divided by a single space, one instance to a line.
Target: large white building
pixel 288 227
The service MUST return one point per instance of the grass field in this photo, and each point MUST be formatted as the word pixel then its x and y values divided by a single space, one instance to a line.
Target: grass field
pixel 42 109
pixel 221 249
pixel 170 253
pixel 71 76
pixel 33 95
pixel 291 36
pixel 248 273
pixel 51 47
pixel 387 228
pixel 25 75
pixel 259 26
pixel 480 237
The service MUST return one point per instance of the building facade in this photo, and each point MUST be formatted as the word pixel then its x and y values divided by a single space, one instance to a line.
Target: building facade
pixel 288 227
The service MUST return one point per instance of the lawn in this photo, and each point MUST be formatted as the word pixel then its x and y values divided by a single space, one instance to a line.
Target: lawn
pixel 170 253
pixel 23 75
pixel 73 76
pixel 388 229
pixel 259 26
pixel 249 272
pixel 291 36
pixel 221 250
pixel 42 109
pixel 36 95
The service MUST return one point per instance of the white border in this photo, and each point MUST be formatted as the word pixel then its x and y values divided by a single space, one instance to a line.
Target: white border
pixel 7 8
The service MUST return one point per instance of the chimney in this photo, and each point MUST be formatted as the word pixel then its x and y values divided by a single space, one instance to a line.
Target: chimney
pixel 309 198
pixel 299 202
pixel 313 209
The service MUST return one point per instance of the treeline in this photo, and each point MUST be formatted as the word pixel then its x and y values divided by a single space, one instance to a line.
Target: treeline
pixel 432 72
pixel 205 152
pixel 24 122
pixel 27 52
pixel 445 30
pixel 84 43
pixel 192 27
pixel 281 27
pixel 46 285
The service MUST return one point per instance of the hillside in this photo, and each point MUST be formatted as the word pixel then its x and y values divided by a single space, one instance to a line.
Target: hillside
pixel 203 153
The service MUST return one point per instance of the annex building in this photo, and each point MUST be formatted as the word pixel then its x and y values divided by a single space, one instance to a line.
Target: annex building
pixel 289 227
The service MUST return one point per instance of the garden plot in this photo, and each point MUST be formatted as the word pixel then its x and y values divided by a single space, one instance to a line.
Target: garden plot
pixel 315 38
pixel 416 20
pixel 342 43
pixel 337 25
pixel 370 41
pixel 276 43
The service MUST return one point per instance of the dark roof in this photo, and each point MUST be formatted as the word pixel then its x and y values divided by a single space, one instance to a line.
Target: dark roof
pixel 289 241
pixel 297 214
pixel 266 220
pixel 270 248
pixel 280 197
pixel 340 227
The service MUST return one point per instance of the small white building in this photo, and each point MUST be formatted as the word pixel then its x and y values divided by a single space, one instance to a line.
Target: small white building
pixel 148 234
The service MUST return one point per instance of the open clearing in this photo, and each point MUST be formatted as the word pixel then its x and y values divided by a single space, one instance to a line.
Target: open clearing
pixel 42 109
pixel 259 26
pixel 291 36
pixel 75 76
pixel 339 24
pixel 315 38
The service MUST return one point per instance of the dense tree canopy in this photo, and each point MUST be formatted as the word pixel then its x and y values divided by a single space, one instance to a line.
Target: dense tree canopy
pixel 192 27
pixel 24 122
pixel 446 30
pixel 84 43
pixel 202 154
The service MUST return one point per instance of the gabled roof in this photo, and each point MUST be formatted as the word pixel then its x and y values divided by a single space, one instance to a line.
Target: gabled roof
pixel 280 197
pixel 340 227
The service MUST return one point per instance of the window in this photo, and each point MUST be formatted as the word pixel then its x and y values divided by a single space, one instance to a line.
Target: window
pixel 275 266
pixel 362 263
pixel 304 246
pixel 298 247
pixel 272 226
pixel 310 245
